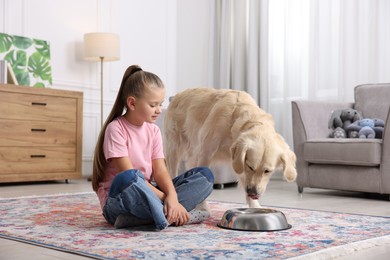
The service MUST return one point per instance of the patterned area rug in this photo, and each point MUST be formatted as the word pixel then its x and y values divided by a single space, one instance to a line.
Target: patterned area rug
pixel 73 223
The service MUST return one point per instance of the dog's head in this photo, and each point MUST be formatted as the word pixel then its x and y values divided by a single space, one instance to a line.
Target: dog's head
pixel 255 157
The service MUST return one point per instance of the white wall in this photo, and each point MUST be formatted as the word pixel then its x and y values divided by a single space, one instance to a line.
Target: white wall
pixel 167 37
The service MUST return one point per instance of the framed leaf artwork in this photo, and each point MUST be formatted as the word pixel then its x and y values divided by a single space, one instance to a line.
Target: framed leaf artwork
pixel 29 59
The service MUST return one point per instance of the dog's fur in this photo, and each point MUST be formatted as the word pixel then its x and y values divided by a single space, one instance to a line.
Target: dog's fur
pixel 205 125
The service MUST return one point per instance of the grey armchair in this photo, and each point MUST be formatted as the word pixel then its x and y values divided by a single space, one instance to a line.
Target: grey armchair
pixel 342 163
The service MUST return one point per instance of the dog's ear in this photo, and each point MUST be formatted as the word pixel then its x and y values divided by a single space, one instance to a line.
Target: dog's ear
pixel 288 159
pixel 238 152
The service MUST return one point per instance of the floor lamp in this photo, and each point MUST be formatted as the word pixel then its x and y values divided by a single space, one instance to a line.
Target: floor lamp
pixel 101 47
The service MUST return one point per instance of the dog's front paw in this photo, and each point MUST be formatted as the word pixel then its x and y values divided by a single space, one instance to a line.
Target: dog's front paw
pixel 253 203
pixel 203 206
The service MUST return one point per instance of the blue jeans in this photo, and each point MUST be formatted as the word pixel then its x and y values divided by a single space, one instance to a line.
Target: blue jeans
pixel 129 194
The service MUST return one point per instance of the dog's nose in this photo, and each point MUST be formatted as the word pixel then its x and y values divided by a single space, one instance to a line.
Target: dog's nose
pixel 252 193
pixel 251 190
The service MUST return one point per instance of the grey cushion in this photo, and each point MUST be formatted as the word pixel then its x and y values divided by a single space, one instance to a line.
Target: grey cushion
pixel 345 151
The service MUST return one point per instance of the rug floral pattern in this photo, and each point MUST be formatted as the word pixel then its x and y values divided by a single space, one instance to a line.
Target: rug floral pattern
pixel 73 223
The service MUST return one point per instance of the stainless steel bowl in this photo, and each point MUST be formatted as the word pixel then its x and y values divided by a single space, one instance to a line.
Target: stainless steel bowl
pixel 253 219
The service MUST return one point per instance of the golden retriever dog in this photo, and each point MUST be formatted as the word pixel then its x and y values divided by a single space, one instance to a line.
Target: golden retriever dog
pixel 205 125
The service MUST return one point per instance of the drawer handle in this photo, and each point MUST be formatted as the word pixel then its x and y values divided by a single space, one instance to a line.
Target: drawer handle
pixel 38 130
pixel 38 156
pixel 38 103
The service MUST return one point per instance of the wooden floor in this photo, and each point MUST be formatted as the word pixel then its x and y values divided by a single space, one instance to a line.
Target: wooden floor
pixel 279 193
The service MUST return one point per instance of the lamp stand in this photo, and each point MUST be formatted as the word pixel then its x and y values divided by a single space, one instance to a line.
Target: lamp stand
pixel 101 91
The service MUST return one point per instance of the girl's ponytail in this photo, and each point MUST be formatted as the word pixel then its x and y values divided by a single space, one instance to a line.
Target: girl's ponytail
pixel 99 160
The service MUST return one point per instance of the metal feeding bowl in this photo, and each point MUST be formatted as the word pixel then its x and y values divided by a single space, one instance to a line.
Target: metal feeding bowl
pixel 254 219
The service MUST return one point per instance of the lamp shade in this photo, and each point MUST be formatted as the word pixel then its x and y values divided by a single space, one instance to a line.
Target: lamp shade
pixel 100 45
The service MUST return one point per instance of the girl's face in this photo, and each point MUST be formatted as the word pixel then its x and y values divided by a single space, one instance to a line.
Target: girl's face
pixel 148 107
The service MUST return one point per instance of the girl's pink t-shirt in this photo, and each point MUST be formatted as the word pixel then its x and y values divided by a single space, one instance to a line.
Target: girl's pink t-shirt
pixel 142 144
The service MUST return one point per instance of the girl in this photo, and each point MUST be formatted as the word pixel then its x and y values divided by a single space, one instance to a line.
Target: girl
pixel 129 155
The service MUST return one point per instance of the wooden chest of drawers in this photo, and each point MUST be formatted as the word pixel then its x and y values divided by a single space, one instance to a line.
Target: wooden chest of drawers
pixel 40 134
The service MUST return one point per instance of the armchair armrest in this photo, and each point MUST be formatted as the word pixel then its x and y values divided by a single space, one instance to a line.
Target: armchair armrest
pixel 385 164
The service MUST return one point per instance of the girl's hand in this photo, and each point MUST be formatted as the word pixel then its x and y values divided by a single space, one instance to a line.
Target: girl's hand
pixel 175 212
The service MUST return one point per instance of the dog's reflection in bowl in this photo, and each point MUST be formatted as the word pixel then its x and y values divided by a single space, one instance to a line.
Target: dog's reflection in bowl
pixel 254 219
